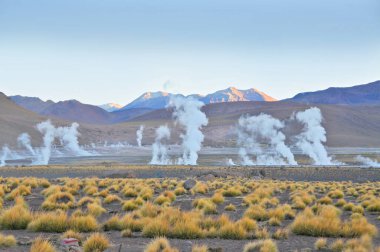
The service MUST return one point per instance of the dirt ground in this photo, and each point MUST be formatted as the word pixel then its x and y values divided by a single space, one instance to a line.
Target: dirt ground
pixel 138 242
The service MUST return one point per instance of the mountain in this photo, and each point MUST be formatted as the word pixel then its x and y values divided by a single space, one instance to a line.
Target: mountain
pixel 74 110
pixel 159 100
pixel 110 107
pixel 366 94
pixel 34 104
pixel 152 100
pixel 233 94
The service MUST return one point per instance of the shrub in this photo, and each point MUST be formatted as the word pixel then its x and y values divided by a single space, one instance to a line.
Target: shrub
pixel 60 200
pixel 232 231
pixel 111 198
pixel 156 227
pixel 230 207
pixel 126 233
pixel 113 223
pixel 83 223
pixel 40 244
pixel 280 234
pixel 206 205
pixel 16 217
pixel 217 198
pixel 320 244
pixel 257 212
pixel 337 246
pixel 95 209
pixel 130 205
pixel 72 234
pixel 96 243
pixel 160 244
pixel 199 248
pixel 7 241
pixel 232 192
pixel 261 246
pixel 49 222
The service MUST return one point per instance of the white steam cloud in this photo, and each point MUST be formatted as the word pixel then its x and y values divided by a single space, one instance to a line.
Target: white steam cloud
pixel 24 140
pixel 263 129
pixel 159 149
pixel 48 132
pixel 311 140
pixel 187 112
pixel 139 135
pixel 69 139
pixel 367 161
pixel 6 152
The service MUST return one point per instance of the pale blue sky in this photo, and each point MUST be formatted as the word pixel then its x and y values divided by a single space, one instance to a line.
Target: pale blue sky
pixel 100 51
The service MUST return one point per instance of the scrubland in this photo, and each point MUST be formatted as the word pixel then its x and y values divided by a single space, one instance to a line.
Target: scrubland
pixel 199 214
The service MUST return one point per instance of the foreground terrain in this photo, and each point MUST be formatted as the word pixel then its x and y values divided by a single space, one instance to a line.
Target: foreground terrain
pixel 124 208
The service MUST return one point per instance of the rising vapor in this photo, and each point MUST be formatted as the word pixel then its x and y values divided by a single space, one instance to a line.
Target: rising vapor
pixel 253 131
pixel 188 114
pixel 159 149
pixel 139 135
pixel 311 140
pixel 367 161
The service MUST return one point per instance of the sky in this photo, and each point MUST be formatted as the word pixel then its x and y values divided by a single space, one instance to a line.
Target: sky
pixel 99 51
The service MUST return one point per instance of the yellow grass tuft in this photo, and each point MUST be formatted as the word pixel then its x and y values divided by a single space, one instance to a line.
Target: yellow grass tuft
pixel 7 241
pixel 96 243
pixel 40 244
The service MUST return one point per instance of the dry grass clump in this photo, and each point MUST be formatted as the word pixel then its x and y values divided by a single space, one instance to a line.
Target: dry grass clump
pixel 200 187
pixel 336 194
pixel 230 207
pixel 85 223
pixel 280 234
pixel 200 248
pixel 156 227
pixel 16 217
pixel 217 198
pixel 21 190
pixel 257 212
pixel 60 200
pixel 337 246
pixel 7 241
pixel 113 223
pixel 232 192
pixel 320 244
pixel 232 231
pixel 126 233
pixel 95 209
pixel 207 206
pixel 325 200
pixel 72 234
pixel 40 244
pixel 160 244
pixel 49 222
pixel 326 222
pixel 130 205
pixel 266 245
pixel 111 198
pixel 96 243
pixel 180 190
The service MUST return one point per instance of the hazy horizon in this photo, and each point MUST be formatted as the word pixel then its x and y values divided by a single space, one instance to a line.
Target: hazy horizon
pixel 113 51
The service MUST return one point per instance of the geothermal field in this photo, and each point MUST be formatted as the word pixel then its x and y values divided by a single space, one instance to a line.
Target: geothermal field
pixel 267 193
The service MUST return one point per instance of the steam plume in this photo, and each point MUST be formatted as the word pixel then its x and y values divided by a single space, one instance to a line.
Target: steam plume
pixel 159 149
pixel 4 156
pixel 48 131
pixel 69 138
pixel 139 135
pixel 255 130
pixel 187 112
pixel 24 140
pixel 311 140
pixel 367 161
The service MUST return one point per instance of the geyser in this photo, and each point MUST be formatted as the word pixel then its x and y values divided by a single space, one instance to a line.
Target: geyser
pixel 159 148
pixel 24 140
pixel 139 135
pixel 311 140
pixel 6 152
pixel 253 131
pixel 48 132
pixel 188 114
pixel 367 161
pixel 68 137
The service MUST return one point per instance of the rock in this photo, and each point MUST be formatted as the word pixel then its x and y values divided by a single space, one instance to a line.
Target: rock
pixel 188 184
pixel 24 241
pixel 70 245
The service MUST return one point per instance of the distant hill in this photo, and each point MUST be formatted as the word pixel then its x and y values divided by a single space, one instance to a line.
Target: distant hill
pixel 34 104
pixel 159 100
pixel 367 94
pixel 74 110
